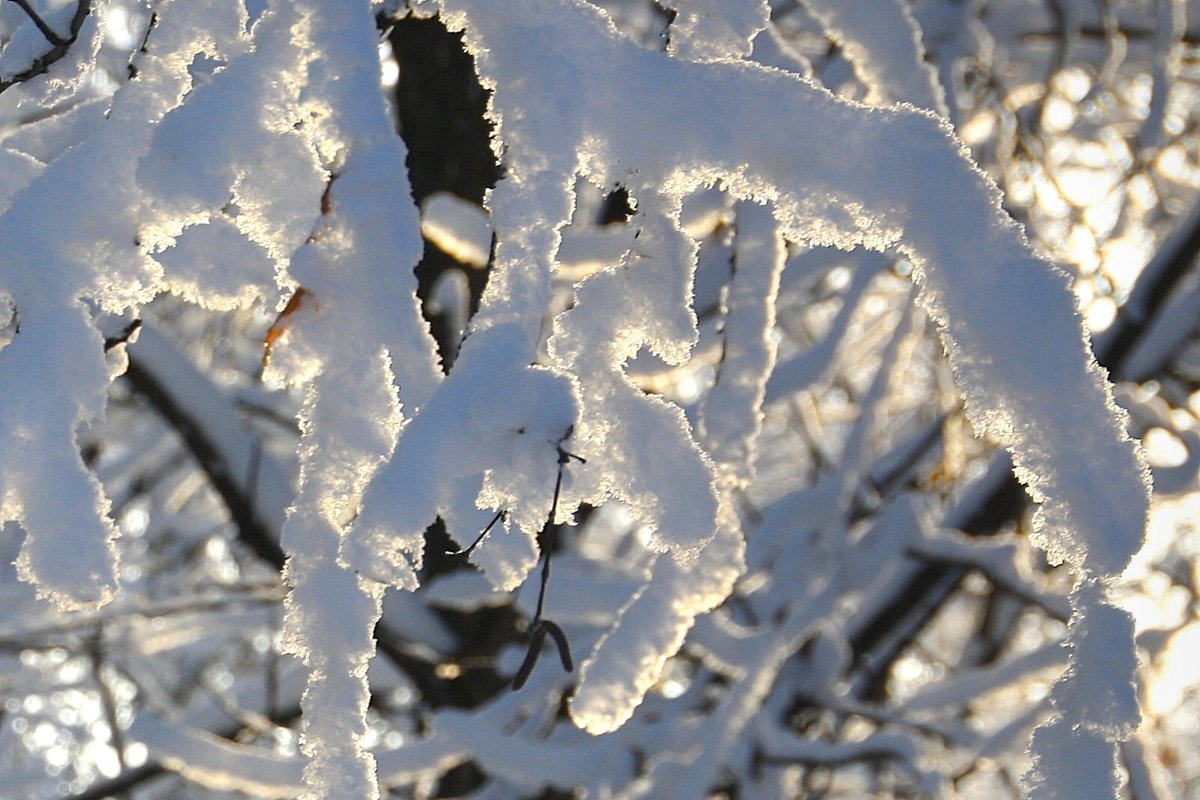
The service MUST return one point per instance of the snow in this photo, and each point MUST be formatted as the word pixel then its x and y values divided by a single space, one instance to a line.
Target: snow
pixel 884 184
pixel 315 169
pixel 214 265
pixel 1096 697
pixel 17 170
pixel 220 765
pixel 251 160
pixel 650 629
pixel 583 252
pixel 25 45
pixel 363 329
pixel 1098 689
pixel 487 440
pixel 48 140
pixel 883 42
pixel 718 30
pixel 1081 763
pixel 638 447
pixel 279 172
pixel 58 358
pixel 731 416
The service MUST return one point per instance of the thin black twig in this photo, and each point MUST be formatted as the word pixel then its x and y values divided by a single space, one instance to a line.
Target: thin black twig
pixel 51 36
pixel 60 46
pixel 564 458
pixel 541 627
pixel 150 26
pixel 537 615
pixel 501 514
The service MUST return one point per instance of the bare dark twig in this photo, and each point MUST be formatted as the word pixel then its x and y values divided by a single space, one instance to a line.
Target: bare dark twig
pixel 60 46
pixel 150 26
pixel 254 531
pixel 541 627
pixel 122 337
pixel 51 37
pixel 501 514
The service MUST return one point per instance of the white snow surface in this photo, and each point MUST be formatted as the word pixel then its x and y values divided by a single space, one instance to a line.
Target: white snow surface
pixel 883 42
pixel 487 440
pixel 716 30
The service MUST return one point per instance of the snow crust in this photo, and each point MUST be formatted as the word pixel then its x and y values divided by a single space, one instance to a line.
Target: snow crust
pixel 716 30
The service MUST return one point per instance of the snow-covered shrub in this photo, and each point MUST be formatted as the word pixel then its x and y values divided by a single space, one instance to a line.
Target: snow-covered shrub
pixel 737 418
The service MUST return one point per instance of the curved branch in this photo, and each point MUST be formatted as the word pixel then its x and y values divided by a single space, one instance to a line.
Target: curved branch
pixel 1003 500
pixel 60 46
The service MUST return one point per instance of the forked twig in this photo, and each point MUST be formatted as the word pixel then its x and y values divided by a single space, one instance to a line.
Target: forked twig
pixel 59 46
pixel 537 635
pixel 541 627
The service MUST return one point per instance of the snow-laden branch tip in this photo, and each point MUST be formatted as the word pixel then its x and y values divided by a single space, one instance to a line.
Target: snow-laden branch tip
pixel 877 178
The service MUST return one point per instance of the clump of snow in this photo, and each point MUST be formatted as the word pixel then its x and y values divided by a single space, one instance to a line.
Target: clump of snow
pixel 1098 690
pixel 237 141
pixel 56 363
pixel 650 629
pixel 215 265
pixel 1075 753
pixel 731 416
pixel 715 30
pixel 1071 762
pixel 488 439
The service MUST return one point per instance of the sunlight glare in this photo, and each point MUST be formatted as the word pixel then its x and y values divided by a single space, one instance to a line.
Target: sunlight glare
pixel 118 27
pixel 136 754
pixel 389 68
